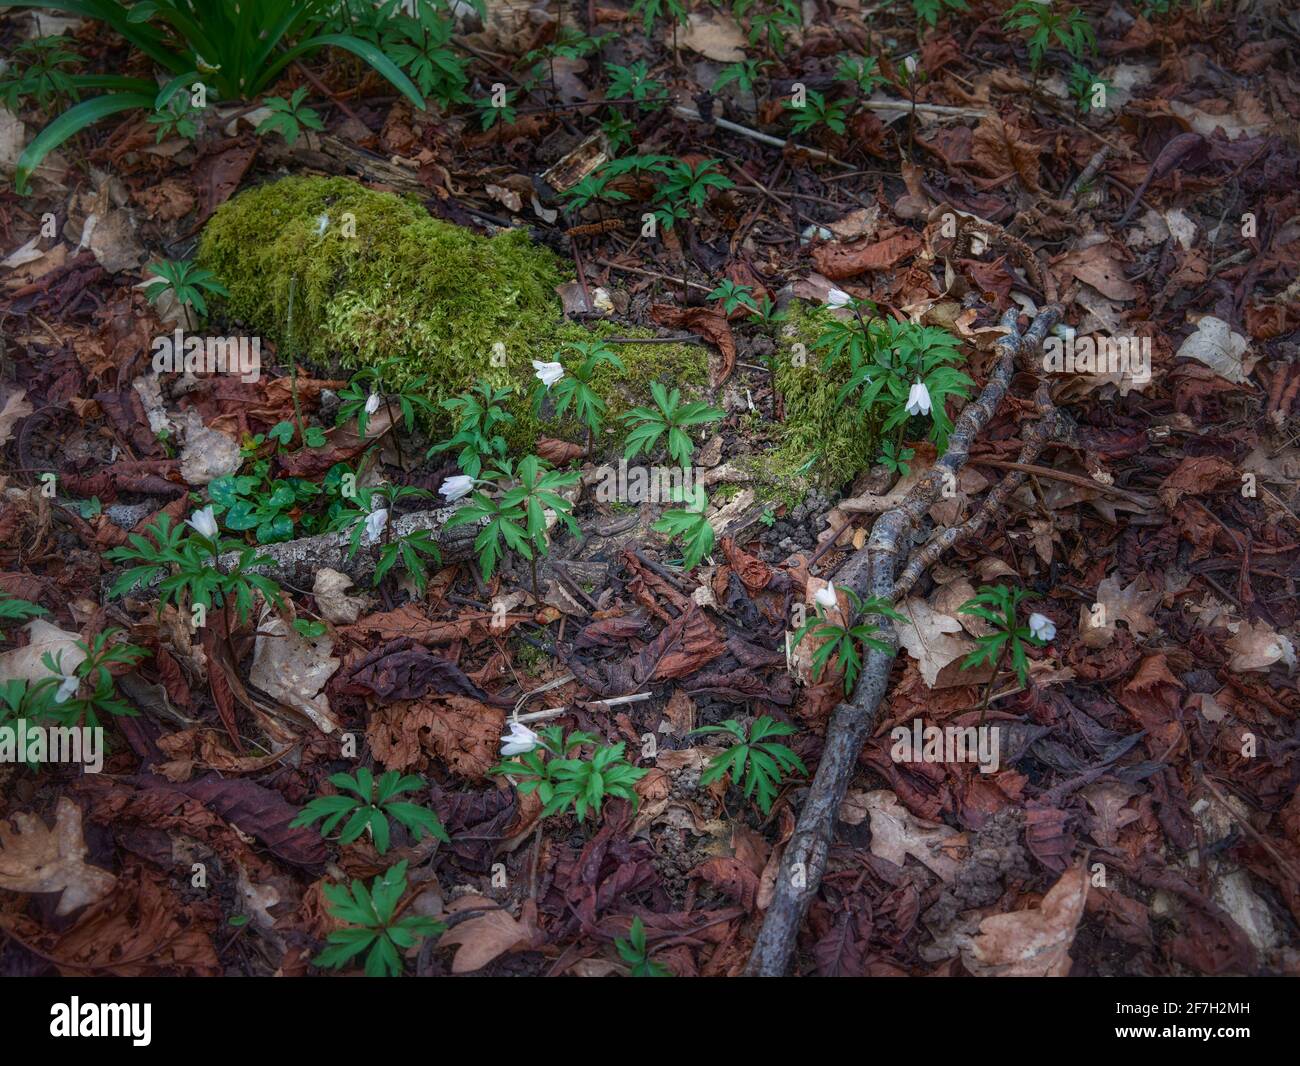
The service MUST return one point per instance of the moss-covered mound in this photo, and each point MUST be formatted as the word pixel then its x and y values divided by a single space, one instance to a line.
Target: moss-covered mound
pixel 820 440
pixel 372 277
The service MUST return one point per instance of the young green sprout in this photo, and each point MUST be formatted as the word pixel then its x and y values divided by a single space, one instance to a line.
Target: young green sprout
pixel 367 805
pixel 997 605
pixel 372 925
pixel 668 417
pixel 568 383
pixel 633 951
pixel 843 639
pixel 187 283
pixel 545 763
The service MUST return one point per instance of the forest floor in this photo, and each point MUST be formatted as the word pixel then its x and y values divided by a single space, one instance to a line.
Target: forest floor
pixel 885 178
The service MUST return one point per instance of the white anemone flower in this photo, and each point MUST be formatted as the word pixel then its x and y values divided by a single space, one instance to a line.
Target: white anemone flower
pixel 1042 627
pixel 519 740
pixel 204 523
pixel 372 403
pixel 838 298
pixel 548 373
pixel 918 399
pixel 455 487
pixel 67 688
pixel 375 523
pixel 826 596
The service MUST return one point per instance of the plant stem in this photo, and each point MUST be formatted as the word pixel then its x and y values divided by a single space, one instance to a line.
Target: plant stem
pixel 988 689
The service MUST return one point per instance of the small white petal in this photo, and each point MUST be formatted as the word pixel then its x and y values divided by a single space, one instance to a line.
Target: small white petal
pixel 918 400
pixel 204 523
pixel 375 523
pixel 838 298
pixel 372 403
pixel 456 487
pixel 548 373
pixel 519 740
pixel 67 688
pixel 1042 627
pixel 826 596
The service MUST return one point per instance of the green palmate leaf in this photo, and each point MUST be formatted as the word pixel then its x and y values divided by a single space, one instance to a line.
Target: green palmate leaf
pixel 374 930
pixel 756 763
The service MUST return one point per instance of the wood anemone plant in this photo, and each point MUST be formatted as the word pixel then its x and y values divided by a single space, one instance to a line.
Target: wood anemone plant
pixel 236 47
pixel 879 569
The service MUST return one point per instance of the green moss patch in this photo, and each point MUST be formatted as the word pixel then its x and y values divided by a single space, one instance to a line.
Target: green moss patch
pixel 820 441
pixel 352 277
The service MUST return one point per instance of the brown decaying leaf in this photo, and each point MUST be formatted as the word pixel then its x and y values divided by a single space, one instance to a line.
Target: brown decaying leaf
pixel 997 149
pixel 710 325
pixel 839 261
pixel 488 936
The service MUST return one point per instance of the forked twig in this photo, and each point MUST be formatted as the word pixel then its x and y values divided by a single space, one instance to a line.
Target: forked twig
pixel 874 571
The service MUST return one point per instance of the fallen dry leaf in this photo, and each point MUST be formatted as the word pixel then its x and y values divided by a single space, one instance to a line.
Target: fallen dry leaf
pixel 1216 345
pixel 36 858
pixel 1257 646
pixel 1031 943
pixel 14 408
pixel 897 833
pixel 292 669
pixel 330 588
pixel 489 935
pixel 24 664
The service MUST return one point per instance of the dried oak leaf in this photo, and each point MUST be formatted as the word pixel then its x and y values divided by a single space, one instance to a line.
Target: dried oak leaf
pixel 254 810
pixel 686 644
pixel 403 670
pixel 731 877
pixel 559 452
pixel 1132 605
pixel 1098 265
pixel 711 325
pixel 1257 646
pixel 1032 943
pixel 36 858
pixel 410 620
pixel 140 929
pixel 897 833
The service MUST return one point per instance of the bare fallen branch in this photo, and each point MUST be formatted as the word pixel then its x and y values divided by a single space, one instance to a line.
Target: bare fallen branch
pixel 872 572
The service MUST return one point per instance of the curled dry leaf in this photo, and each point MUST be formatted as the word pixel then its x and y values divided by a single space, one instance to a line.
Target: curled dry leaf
pixel 208 453
pixel 13 408
pixel 293 670
pixel 24 664
pixel 330 589
pixel 897 833
pixel 1031 943
pixel 935 641
pixel 715 36
pixel 489 935
pixel 1196 476
pixel 1216 345
pixel 1257 646
pixel 838 261
pixel 36 858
